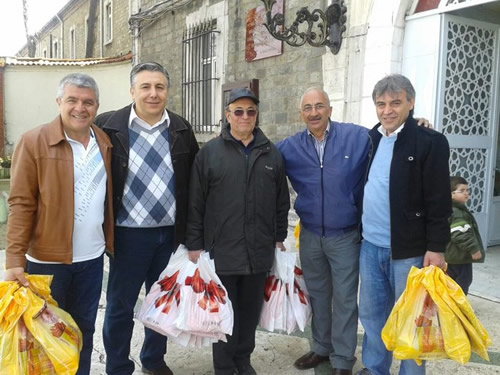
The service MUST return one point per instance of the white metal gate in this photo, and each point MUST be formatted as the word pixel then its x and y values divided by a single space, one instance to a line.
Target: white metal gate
pixel 466 108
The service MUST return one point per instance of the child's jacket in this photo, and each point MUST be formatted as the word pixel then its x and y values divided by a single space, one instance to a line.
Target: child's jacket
pixel 465 237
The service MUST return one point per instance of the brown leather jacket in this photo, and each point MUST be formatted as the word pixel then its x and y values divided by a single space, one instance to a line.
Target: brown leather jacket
pixel 41 207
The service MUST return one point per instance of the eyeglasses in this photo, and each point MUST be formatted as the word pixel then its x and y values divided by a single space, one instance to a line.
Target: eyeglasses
pixel 462 191
pixel 251 112
pixel 318 107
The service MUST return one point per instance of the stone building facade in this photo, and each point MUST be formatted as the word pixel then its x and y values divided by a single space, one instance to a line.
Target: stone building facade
pixel 448 48
pixel 66 34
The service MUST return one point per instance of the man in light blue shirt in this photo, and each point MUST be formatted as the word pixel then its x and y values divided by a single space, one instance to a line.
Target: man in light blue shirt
pixel 406 205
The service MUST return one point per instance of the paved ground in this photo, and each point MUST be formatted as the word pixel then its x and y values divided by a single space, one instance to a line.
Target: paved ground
pixel 275 353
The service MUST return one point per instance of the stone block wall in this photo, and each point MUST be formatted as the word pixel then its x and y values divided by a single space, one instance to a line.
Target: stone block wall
pixel 162 42
pixel 53 29
pixel 282 79
pixel 122 42
pixel 76 18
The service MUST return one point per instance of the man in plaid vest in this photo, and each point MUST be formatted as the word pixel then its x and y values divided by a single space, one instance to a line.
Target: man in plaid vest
pixel 153 149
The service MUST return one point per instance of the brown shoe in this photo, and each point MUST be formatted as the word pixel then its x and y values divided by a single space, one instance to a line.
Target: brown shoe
pixel 309 360
pixel 341 371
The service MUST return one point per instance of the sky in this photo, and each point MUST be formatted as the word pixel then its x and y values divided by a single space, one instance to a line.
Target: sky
pixel 12 34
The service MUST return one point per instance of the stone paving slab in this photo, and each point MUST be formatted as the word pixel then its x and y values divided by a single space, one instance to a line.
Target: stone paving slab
pixel 275 353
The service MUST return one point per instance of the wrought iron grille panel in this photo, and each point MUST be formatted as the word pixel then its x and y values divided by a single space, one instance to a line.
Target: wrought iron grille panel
pixel 451 2
pixel 468 82
pixel 470 163
pixel 199 76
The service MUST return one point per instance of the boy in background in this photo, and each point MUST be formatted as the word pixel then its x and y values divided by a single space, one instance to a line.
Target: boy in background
pixel 465 246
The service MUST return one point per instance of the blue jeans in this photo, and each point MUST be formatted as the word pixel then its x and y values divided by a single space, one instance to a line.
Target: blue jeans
pixel 141 254
pixel 383 280
pixel 76 288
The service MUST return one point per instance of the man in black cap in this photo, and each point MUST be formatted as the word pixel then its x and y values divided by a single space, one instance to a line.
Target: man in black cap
pixel 237 211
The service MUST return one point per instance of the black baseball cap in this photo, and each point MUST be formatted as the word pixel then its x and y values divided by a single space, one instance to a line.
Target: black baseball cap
pixel 239 93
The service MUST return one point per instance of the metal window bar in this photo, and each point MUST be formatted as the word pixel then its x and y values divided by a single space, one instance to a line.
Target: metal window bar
pixel 199 76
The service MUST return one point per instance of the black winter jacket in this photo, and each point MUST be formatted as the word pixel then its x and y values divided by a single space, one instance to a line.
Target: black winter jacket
pixel 183 148
pixel 238 204
pixel 419 190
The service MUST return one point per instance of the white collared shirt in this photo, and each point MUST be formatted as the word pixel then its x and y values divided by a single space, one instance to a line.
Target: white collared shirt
pixel 134 118
pixel 393 134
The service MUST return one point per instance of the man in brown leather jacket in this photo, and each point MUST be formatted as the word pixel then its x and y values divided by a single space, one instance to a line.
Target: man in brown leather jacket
pixel 60 206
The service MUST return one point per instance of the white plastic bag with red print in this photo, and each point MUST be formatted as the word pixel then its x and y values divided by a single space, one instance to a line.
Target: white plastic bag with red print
pixel 286 303
pixel 161 306
pixel 188 302
pixel 299 299
pixel 205 306
pixel 271 304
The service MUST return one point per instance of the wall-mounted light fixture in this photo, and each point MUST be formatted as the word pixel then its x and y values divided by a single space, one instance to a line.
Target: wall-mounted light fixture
pixel 330 25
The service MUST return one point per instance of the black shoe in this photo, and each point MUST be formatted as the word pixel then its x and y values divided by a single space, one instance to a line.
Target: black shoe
pixel 246 370
pixel 310 360
pixel 364 371
pixel 341 371
pixel 162 370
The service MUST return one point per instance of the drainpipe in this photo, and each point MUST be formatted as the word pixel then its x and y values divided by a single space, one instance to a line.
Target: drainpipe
pixel 61 36
pixel 101 29
pixel 2 115
pixel 133 6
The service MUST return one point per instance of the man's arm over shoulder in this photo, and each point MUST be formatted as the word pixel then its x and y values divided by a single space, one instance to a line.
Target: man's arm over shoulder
pixel 102 118
pixel 288 144
pixel 193 144
pixel 282 145
pixel 436 186
pixel 188 135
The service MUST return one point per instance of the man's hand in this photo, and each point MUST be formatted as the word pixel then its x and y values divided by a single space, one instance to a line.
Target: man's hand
pixel 477 255
pixel 16 274
pixel 194 255
pixel 424 122
pixel 280 246
pixel 432 258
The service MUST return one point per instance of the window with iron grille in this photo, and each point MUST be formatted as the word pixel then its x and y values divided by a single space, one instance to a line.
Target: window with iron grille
pixel 199 77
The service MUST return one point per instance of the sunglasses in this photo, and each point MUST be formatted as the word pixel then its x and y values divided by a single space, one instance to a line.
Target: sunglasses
pixel 251 112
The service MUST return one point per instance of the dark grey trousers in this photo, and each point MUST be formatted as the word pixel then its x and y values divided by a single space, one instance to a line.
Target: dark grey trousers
pixel 331 273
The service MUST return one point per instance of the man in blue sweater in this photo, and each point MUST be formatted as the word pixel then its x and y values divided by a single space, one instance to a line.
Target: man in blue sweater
pixel 406 206
pixel 326 164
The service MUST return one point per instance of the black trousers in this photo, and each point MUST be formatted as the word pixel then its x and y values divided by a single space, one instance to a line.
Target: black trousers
pixel 246 293
pixel 462 274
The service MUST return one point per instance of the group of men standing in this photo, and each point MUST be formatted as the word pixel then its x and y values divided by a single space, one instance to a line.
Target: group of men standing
pixel 136 185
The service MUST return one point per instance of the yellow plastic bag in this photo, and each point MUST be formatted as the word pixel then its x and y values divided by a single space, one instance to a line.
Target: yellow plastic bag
pixel 57 333
pixel 32 358
pixel 450 296
pixel 296 234
pixel 433 319
pixel 12 306
pixel 413 329
pixel 36 337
